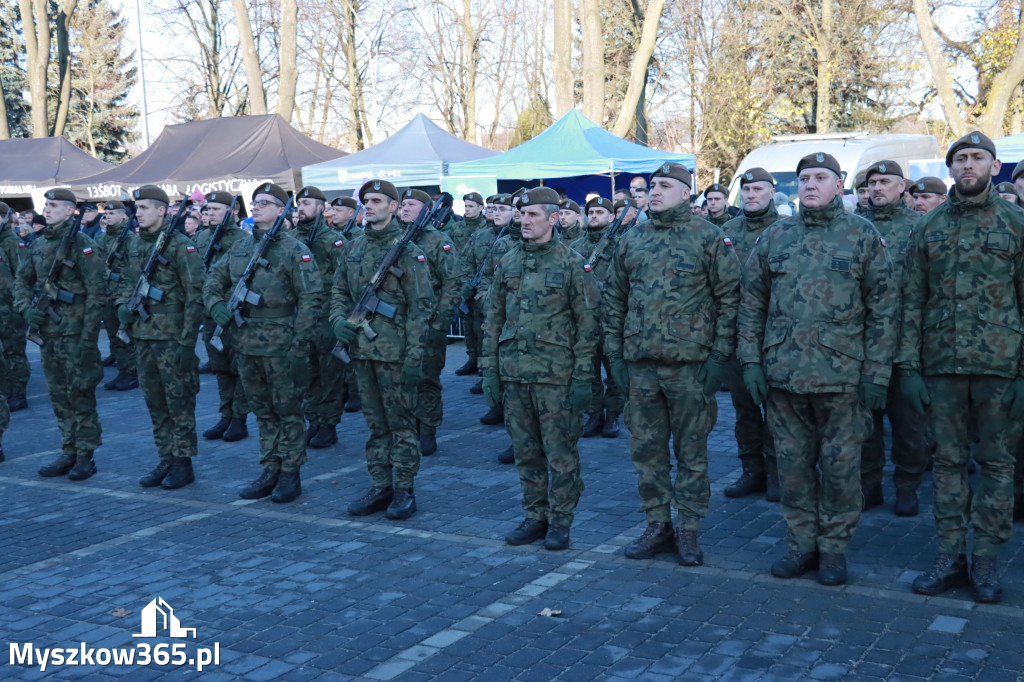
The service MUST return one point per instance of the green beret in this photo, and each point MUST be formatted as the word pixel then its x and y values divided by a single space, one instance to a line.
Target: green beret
pixel 600 202
pixel 417 194
pixel 1017 171
pixel 621 203
pixel 220 198
pixel 715 187
pixel 756 175
pixel 569 205
pixel 540 195
pixel 883 168
pixel 378 187
pixel 671 169
pixel 928 185
pixel 474 197
pixel 347 202
pixel 975 140
pixel 113 205
pixel 490 199
pixel 273 190
pixel 819 160
pixel 501 200
pixel 1006 188
pixel 860 180
pixel 310 192
pixel 61 194
pixel 151 192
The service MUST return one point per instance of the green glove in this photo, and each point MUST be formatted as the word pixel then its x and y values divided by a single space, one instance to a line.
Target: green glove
pixel 467 291
pixel 711 373
pixel 913 389
pixel 412 377
pixel 345 330
pixel 221 314
pixel 298 365
pixel 872 396
pixel 619 372
pixel 492 387
pixel 34 317
pixel 1014 397
pixel 580 396
pixel 125 316
pixel 186 355
pixel 755 381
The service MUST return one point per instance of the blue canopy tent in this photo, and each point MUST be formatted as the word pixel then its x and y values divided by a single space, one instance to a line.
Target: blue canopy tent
pixel 571 147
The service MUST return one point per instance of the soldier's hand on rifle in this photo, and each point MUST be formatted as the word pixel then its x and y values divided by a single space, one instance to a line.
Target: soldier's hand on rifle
pixel 467 291
pixel 345 331
pixel 492 387
pixel 220 313
pixel 125 316
pixel 34 317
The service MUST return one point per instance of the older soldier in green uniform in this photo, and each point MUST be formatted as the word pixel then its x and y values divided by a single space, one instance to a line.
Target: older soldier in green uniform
pixel 606 403
pixel 70 356
pixel 670 327
pixel 233 406
pixel 274 344
pixel 928 193
pixel 324 400
pixel 963 315
pixel 716 198
pixel 753 439
pixel 540 336
pixel 816 337
pixel 114 219
pixel 570 227
pixel 165 343
pixel 388 366
pixel 12 333
pixel 910 440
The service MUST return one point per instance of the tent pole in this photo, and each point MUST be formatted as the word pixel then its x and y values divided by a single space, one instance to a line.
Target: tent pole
pixel 611 167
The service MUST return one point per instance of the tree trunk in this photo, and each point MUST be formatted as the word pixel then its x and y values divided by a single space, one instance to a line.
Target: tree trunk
pixel 823 49
pixel 1003 86
pixel 289 72
pixel 355 97
pixel 593 60
pixel 37 57
pixel 5 131
pixel 63 66
pixel 251 59
pixel 470 131
pixel 564 99
pixel 940 72
pixel 626 117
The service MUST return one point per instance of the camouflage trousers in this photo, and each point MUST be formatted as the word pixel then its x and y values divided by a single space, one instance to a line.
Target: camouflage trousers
pixel 325 397
pixel 471 328
pixel 12 335
pixel 911 443
pixel 392 451
pixel 124 357
pixel 817 440
pixel 753 439
pixel 989 507
pixel 276 400
pixel 72 374
pixel 667 402
pixel 429 406
pixel 169 389
pixel 224 366
pixel 544 432
pixel 604 394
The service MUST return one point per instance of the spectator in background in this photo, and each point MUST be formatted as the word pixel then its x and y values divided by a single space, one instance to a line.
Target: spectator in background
pixel 91 220
pixel 192 222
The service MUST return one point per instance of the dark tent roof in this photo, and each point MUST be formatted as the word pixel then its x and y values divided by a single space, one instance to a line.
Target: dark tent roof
pixel 29 164
pixel 228 154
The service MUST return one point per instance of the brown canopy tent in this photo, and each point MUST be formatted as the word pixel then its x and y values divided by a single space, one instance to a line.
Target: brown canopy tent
pixel 228 154
pixel 31 165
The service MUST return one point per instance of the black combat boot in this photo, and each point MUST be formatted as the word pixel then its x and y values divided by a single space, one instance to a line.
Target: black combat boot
pixel 772 492
pixel 477 388
pixel 403 505
pixel 288 487
pixel 2 458
pixel 494 416
pixel 375 500
pixel 795 564
pixel 906 502
pixel 428 441
pixel 985 578
pixel 216 432
pixel 507 456
pixel 261 487
pixel 659 538
pixel 1018 507
pixel 204 368
pixel 324 438
pixel 593 424
pixel 530 530
pixel 17 402
pixel 687 548
pixel 947 571
pixel 311 431
pixel 467 369
pixel 611 426
pixel 237 430
pixel 832 570
pixel 122 382
pixel 557 537
pixel 353 403
pixel 180 475
pixel 84 468
pixel 58 467
pixel 747 484
pixel 156 476
pixel 873 496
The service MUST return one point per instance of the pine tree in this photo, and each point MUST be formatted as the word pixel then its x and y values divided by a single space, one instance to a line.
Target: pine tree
pixel 12 73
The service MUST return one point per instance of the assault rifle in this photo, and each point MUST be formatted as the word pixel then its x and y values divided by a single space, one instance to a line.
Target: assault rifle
pixel 215 238
pixel 50 292
pixel 608 235
pixel 242 293
pixel 475 282
pixel 122 237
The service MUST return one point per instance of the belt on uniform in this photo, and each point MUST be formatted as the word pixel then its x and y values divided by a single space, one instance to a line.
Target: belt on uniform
pixel 268 313
pixel 165 308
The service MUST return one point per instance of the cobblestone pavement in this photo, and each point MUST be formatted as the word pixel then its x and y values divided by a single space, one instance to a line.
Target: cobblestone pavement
pixel 303 591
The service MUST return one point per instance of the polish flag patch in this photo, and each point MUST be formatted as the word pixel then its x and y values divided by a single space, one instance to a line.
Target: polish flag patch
pixel 586 266
pixel 22 245
pixel 190 249
pixel 306 258
pixel 87 250
pixel 339 242
pixel 447 247
pixel 728 242
pixel 882 239
pixel 421 258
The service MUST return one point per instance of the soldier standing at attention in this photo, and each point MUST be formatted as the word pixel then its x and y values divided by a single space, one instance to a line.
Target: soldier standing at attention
pixel 816 337
pixel 459 231
pixel 273 345
pixel 753 439
pixel 70 356
pixel 232 403
pixel 928 192
pixel 123 356
pixel 963 307
pixel 389 366
pixel 165 344
pixel 863 192
pixel 12 334
pixel 1007 191
pixel 570 228
pixel 670 327
pixel 716 199
pixel 910 441
pixel 343 209
pixel 540 336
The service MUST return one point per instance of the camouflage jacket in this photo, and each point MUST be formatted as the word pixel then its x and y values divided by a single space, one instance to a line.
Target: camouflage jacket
pixel 476 250
pixel 176 316
pixel 572 234
pixel 585 246
pixel 11 248
pixel 541 320
pixel 84 280
pixel 326 250
pixel 513 237
pixel 719 221
pixel 459 231
pixel 399 339
pixel 291 288
pixel 819 303
pixel 231 234
pixel 445 275
pixel 895 222
pixel 107 240
pixel 963 290
pixel 673 291
pixel 744 230
pixel 351 233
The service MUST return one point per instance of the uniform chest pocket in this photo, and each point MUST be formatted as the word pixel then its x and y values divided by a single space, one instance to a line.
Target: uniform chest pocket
pixel 778 262
pixel 998 241
pixel 841 262
pixel 554 280
pixel 512 280
pixel 686 266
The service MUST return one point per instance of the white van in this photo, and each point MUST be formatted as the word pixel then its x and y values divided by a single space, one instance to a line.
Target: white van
pixel 854 151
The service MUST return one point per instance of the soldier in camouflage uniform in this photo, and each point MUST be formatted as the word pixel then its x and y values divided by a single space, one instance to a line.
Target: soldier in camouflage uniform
pixel 274 344
pixel 910 440
pixel 670 327
pixel 165 343
pixel 753 439
pixel 963 319
pixel 389 366
pixel 716 199
pixel 817 332
pixel 12 332
pixel 324 400
pixel 607 402
pixel 345 219
pixel 70 356
pixel 570 227
pixel 860 183
pixel 8 268
pixel 540 335
pixel 233 406
pixel 459 231
pixel 928 193
pixel 114 220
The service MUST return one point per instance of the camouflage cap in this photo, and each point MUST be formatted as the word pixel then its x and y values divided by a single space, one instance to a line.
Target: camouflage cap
pixel 885 167
pixel 347 202
pixel 220 198
pixel 860 180
pixel 378 187
pixel 928 185
pixel 417 194
pixel 1006 188
pixel 540 195
pixel 715 187
pixel 569 205
pixel 756 175
pixel 975 140
pixel 671 169
pixel 1017 171
pixel 600 202
pixel 819 160
pixel 273 190
pixel 624 202
pixel 501 200
pixel 61 194
pixel 113 205
pixel 310 192
pixel 474 197
pixel 151 192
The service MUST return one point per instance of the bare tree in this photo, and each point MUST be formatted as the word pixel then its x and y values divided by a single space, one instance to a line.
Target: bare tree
pixel 564 98
pixel 289 72
pixel 62 25
pixel 627 116
pixel 251 58
pixel 593 60
pixel 37 57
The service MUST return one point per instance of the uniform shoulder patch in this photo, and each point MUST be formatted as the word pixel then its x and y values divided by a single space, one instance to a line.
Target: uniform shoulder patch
pixel 339 242
pixel 22 245
pixel 421 258
pixel 728 242
pixel 447 247
pixel 587 268
pixel 306 258
pixel 882 239
pixel 190 248
pixel 87 250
